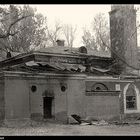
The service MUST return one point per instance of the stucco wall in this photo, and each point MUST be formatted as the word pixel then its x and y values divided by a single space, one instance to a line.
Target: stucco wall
pixel 16 98
pixel 103 107
pixel 75 97
pixel 36 98
pixel 66 102
pixel 109 84
pixel 21 102
pixel 100 102
pixel 2 107
pixel 58 102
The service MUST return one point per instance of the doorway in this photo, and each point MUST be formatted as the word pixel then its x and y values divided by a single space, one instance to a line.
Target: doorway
pixel 47 107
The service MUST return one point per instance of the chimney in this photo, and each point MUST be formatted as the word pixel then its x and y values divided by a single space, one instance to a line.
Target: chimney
pixel 121 6
pixel 60 42
pixel 123 39
pixel 8 55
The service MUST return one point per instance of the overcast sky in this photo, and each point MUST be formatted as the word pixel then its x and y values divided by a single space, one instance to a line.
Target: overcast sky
pixel 75 14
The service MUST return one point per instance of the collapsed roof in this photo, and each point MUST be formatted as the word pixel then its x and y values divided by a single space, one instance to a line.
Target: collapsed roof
pixel 60 59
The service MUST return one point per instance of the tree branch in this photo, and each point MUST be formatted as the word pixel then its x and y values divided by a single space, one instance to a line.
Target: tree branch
pixel 12 34
pixel 5 46
pixel 11 25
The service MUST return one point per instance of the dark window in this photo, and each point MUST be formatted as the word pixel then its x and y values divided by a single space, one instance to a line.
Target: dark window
pixel 130 102
pixel 99 87
pixel 63 88
pixel 131 98
pixel 33 88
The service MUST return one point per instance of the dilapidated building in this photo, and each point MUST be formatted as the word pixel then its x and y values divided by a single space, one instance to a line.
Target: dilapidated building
pixel 58 82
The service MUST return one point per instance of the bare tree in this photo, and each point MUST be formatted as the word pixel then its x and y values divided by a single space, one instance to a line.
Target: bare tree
pixel 53 34
pixel 69 32
pixel 88 39
pixel 99 28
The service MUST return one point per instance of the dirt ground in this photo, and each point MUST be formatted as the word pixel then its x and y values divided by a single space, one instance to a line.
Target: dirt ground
pixel 56 129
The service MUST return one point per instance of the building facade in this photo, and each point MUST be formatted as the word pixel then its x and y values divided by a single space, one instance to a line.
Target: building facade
pixel 58 82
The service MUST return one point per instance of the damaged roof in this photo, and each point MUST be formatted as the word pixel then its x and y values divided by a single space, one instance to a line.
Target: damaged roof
pixel 3 55
pixel 68 50
pixel 60 58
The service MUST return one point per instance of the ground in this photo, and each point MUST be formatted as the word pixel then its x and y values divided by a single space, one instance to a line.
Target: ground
pixel 49 128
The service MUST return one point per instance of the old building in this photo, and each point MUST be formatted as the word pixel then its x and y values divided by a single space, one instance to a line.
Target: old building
pixel 58 82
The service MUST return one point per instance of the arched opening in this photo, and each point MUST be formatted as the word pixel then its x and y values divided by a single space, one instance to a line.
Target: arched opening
pixel 131 100
pixel 83 50
pixel 99 87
